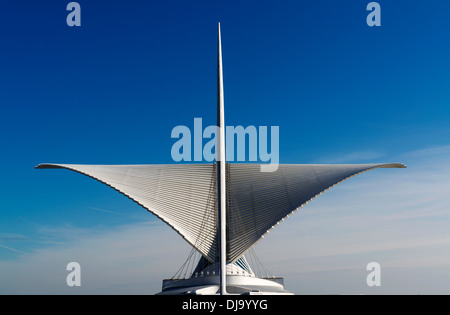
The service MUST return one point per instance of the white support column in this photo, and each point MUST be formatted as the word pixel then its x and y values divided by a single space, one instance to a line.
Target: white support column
pixel 221 161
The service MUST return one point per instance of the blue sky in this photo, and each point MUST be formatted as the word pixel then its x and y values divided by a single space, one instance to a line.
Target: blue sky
pixel 110 92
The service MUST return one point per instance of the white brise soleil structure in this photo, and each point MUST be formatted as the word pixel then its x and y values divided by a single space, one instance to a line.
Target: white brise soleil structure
pixel 222 210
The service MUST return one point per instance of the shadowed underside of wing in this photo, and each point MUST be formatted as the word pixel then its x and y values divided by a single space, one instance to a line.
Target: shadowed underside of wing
pixel 185 196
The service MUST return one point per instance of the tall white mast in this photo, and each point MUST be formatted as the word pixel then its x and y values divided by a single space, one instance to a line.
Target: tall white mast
pixel 221 180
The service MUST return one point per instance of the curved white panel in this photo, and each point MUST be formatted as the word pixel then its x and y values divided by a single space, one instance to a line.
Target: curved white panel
pixel 185 196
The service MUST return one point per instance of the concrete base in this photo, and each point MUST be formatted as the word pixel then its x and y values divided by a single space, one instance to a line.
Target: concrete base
pixel 236 284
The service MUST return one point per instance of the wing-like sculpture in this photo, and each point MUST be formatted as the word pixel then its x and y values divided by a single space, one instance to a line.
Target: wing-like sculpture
pixel 258 201
pixel 182 195
pixel 185 196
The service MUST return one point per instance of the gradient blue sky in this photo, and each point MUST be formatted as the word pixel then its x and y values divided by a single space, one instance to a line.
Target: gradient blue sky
pixel 110 92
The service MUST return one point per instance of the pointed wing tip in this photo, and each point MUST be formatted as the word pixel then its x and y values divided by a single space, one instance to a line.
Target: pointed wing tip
pixel 396 165
pixel 46 166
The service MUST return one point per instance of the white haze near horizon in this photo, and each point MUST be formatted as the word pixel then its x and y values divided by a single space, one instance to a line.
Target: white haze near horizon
pixel 399 218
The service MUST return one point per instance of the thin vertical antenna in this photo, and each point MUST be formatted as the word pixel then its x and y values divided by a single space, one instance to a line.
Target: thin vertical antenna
pixel 221 171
